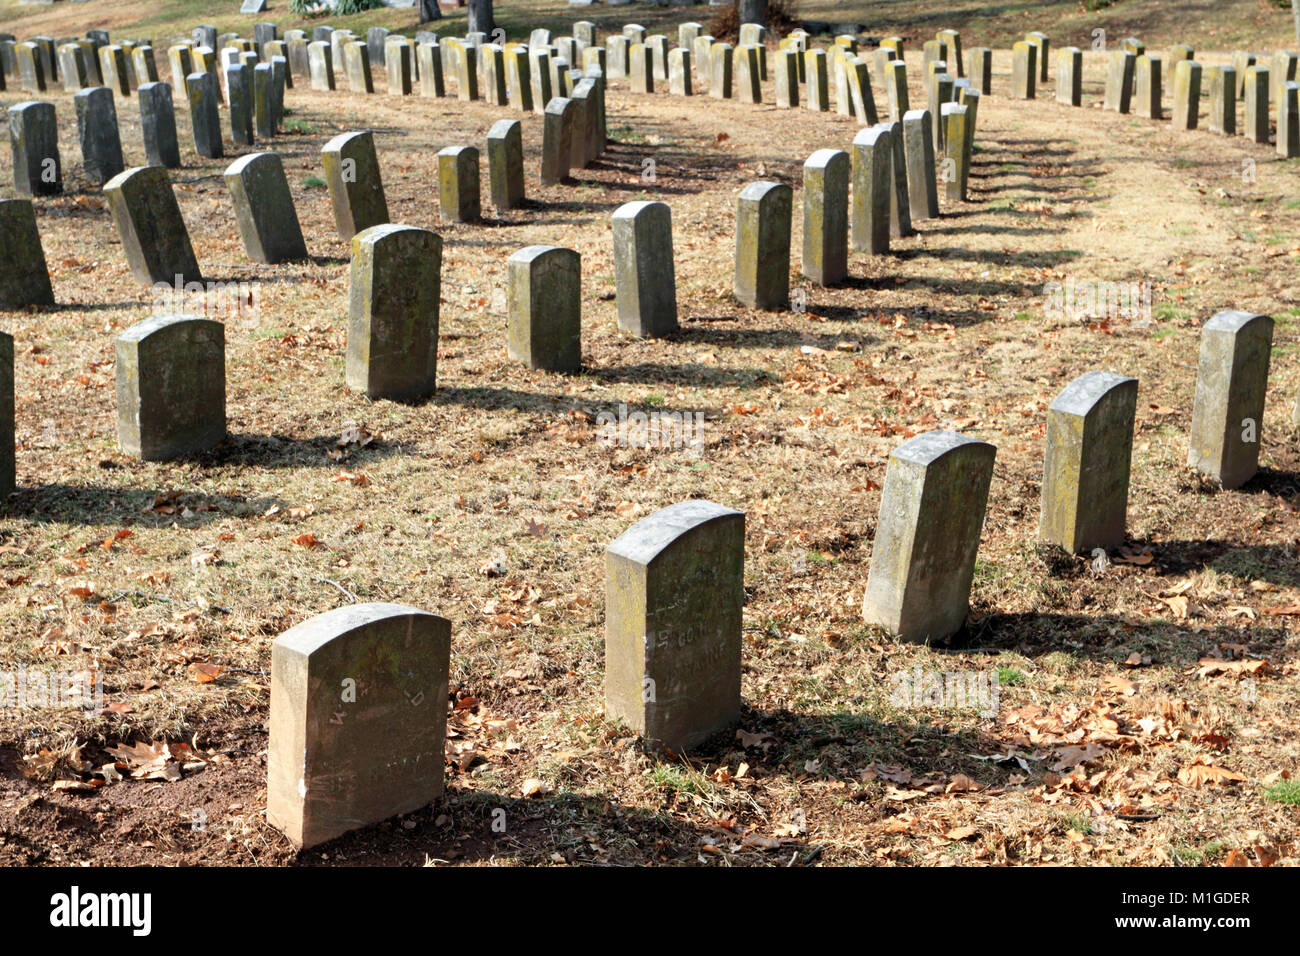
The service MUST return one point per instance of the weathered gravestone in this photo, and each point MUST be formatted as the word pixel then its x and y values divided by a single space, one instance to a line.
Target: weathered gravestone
pixel 674 597
pixel 896 88
pixel 1256 124
pixel 7 472
pixel 544 308
pixel 428 59
pixel 1042 49
pixel 458 184
pixel 31 74
pixel 113 68
pixel 900 210
pixel 583 138
pixel 205 121
pixel 1288 121
pixel 72 67
pixel 239 98
pixel 817 95
pixel 1228 410
pixel 1223 100
pixel 979 68
pixel 358 719
pixel 495 75
pixel 467 73
pixel 721 67
pixel 398 63
pixel 918 143
pixel 872 183
pixel 505 148
pixel 787 79
pixel 956 169
pixel 393 304
pixel 1150 91
pixel 320 62
pixel 679 72
pixel 644 271
pixel 557 141
pixel 1187 94
pixel 34 140
pixel 171 386
pixel 268 222
pixel 355 188
pixel 1024 70
pixel 356 65
pixel 763 213
pixel 144 65
pixel 158 125
pixel 1069 76
pixel 101 146
pixel 826 216
pixel 748 79
pixel 149 223
pixel 927 536
pixel 1086 466
pixel 25 278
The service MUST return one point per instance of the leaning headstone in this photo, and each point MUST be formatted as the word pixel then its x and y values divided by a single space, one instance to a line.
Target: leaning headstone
pixel 1177 54
pixel 268 222
pixel 458 184
pixel 873 157
pixel 644 271
pixel 392 349
pixel 34 140
pixel 557 141
pixel 171 387
pixel 181 60
pixel 861 98
pixel 1187 94
pixel 205 121
pixel 674 597
pixel 918 144
pixel 113 68
pixel 72 67
pixel 927 535
pixel 506 164
pixel 1150 91
pixel 205 35
pixel 1069 76
pixel 826 216
pixel 25 278
pixel 7 472
pixel 149 223
pixel 1024 70
pixel 355 187
pixel 1223 100
pixel 1086 466
pixel 1256 94
pixel 544 308
pixel 375 37
pixel 763 212
pixel 358 719
pixel 101 146
pixel 1228 410
pixel 900 211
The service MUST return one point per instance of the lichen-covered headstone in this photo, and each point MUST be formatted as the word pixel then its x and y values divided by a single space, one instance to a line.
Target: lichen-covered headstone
pixel 458 184
pixel 393 305
pixel 1187 94
pixel 171 386
pixel 158 125
pixel 355 187
pixel 1150 91
pixel 1024 70
pixel 872 182
pixel 505 147
pixel 927 536
pixel 679 72
pixel 101 146
pixel 113 68
pixel 1086 465
pixel 817 95
pixel 358 719
pixel 918 144
pixel 721 57
pixel 557 141
pixel 149 223
pixel 268 222
pixel 31 73
pixel 1069 76
pixel 826 216
pixel 674 598
pixel 1223 100
pixel 955 119
pixel 644 271
pixel 320 61
pixel 34 141
pixel 763 214
pixel 428 60
pixel 1042 50
pixel 544 308
pixel 979 69
pixel 205 122
pixel 1228 410
pixel 1288 121
pixel 25 278
pixel 1256 94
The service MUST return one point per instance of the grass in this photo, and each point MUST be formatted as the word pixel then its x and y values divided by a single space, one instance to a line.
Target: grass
pixel 1284 791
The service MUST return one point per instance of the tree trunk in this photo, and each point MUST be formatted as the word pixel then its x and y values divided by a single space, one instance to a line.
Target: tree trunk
pixel 755 11
pixel 480 17
pixel 429 11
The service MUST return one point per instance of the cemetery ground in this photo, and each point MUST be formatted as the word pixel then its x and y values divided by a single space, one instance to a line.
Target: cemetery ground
pixel 1146 706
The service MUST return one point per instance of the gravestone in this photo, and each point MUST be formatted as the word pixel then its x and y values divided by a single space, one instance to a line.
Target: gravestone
pixel 146 69
pixel 1176 54
pixel 181 61
pixel 955 122
pixel 1069 76
pixel 557 143
pixel 1150 92
pixel 375 38
pixel 817 94
pixel 763 212
pixel 1240 62
pixel 640 69
pixel 356 64
pixel 171 387
pixel 358 719
pixel 927 535
pixel 399 65
pixel 428 57
pixel 101 146
pixel 979 68
pixel 8 474
pixel 1024 70
pixel 900 211
pixel 25 279
pixel 1288 121
pixel 918 144
pixel 1042 48
pixel 679 72
pixel 264 101
pixel 896 88
pixel 873 157
pixel 268 222
pixel 616 50
pixel 644 269
pixel 467 73
pixel 113 69
pixel 674 597
pixel 1187 94
pixel 940 93
pixel 787 79
pixel 583 135
pixel 1283 72
pixel 31 73
pixel 544 308
pixel 149 223
pixel 585 32
pixel 826 216
pixel 748 79
pixel 458 184
pixel 951 39
pixel 205 121
pixel 861 98
pixel 720 71
pixel 320 61
pixel 355 187
pixel 505 148
pixel 494 75
pixel 1223 101
pixel 1256 93
pixel 239 100
pixel 1087 461
pixel 657 50
pixel 1228 410
pixel 34 144
pixel 393 304
pixel 72 67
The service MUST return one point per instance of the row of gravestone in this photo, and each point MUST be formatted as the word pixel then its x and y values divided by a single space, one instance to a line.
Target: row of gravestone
pixel 359 694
